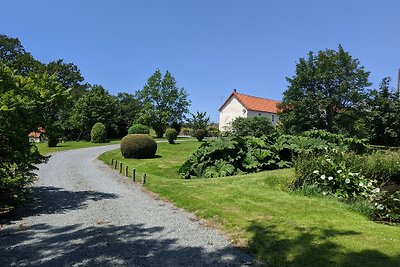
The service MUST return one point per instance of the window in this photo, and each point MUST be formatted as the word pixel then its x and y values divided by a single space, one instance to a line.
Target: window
pixel 273 118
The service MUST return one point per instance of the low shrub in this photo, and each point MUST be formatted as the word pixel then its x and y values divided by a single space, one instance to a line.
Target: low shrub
pixel 251 154
pixel 213 131
pixel 138 129
pixel 333 174
pixel 187 131
pixel 171 135
pixel 98 134
pixel 138 146
pixel 255 126
pixel 386 207
pixel 200 134
pixel 366 178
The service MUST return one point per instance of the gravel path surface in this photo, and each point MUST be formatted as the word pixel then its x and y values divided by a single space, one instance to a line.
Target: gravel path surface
pixel 88 215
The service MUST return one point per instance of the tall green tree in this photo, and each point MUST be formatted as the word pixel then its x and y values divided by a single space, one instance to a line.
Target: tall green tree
pixel 164 104
pixel 128 110
pixel 200 120
pixel 13 55
pixel 97 105
pixel 328 91
pixel 24 103
pixel 384 116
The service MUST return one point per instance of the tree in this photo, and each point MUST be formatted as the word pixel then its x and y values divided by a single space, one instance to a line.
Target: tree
pixel 128 109
pixel 23 107
pixel 13 55
pixel 97 105
pixel 255 126
pixel 327 92
pixel 200 120
pixel 384 117
pixel 164 104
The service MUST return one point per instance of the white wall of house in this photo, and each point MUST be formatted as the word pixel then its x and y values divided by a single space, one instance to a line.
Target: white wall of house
pixel 272 116
pixel 229 112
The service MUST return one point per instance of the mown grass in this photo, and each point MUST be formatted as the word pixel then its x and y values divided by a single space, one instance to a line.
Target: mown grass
pixel 44 149
pixel 259 213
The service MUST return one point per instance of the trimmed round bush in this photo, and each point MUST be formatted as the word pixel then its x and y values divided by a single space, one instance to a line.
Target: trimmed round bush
pixel 138 146
pixel 138 129
pixel 200 134
pixel 171 135
pixel 98 134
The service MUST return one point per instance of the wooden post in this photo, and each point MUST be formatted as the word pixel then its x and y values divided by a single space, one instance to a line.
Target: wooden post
pixel 120 167
pixel 115 165
pixel 126 170
pixel 144 178
pixel 112 162
pixel 134 174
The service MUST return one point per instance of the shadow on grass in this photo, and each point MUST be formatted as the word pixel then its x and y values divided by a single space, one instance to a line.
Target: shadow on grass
pixel 50 200
pixel 106 245
pixel 311 247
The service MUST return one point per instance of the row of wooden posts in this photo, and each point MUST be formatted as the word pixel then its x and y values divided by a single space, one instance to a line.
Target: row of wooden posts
pixel 114 164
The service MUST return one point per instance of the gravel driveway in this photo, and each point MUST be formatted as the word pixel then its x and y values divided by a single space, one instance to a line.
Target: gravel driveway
pixel 88 215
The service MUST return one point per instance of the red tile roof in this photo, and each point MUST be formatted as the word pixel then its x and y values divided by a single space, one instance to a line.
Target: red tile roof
pixel 254 103
pixel 38 133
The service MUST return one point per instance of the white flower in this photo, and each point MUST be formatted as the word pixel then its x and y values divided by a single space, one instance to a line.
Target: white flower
pixel 351 174
pixel 369 184
pixel 330 178
pixel 323 176
pixel 339 171
pixel 316 172
pixel 376 190
pixel 380 207
pixel 361 184
pixel 347 181
pixel 329 160
pixel 324 193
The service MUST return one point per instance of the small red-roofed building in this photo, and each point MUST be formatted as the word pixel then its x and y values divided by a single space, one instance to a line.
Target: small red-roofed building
pixel 241 105
pixel 37 136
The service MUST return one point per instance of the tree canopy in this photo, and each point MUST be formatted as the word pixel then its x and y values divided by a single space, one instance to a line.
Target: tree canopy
pixel 164 104
pixel 97 105
pixel 25 103
pixel 328 91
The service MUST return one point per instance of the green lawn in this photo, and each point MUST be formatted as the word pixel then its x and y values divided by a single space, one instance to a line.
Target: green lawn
pixel 259 213
pixel 44 149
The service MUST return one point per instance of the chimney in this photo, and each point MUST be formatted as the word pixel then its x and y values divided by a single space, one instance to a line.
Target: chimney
pixel 234 90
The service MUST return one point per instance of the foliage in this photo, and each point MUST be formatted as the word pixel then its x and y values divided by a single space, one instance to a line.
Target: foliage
pixel 255 126
pixel 384 116
pixel 333 174
pixel 386 207
pixel 327 92
pixel 138 146
pixel 187 131
pixel 24 105
pixel 163 102
pixel 213 131
pixel 251 154
pixel 97 105
pixel 128 110
pixel 374 178
pixel 171 135
pixel 138 128
pixel 98 133
pixel 200 134
pixel 14 55
pixel 200 120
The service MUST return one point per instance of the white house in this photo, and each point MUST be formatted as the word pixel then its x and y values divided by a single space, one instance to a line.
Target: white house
pixel 240 105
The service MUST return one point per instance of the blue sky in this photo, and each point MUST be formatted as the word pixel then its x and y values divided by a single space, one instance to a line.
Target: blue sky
pixel 210 46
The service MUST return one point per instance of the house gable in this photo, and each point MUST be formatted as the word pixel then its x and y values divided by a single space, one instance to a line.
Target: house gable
pixel 241 105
